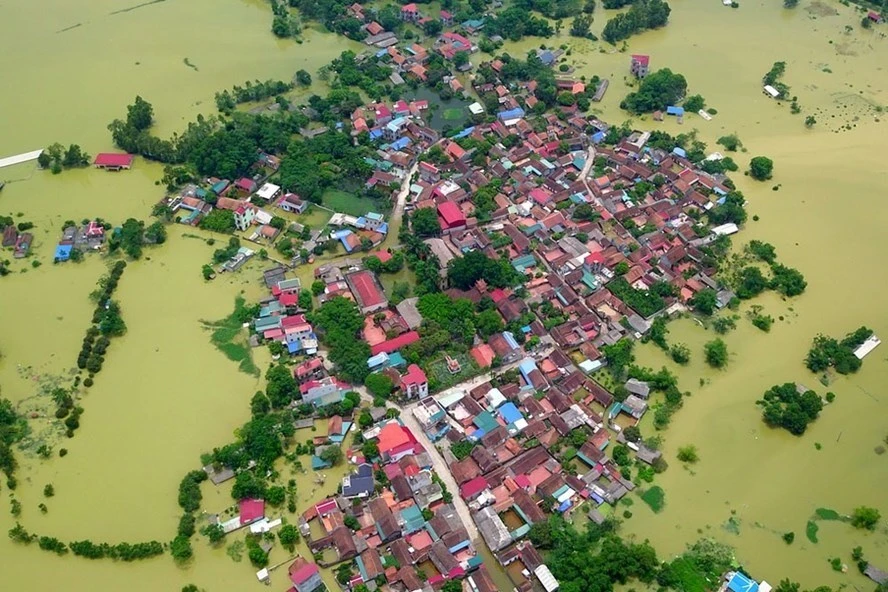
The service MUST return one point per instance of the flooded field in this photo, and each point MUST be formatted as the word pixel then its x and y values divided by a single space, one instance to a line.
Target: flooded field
pixel 166 394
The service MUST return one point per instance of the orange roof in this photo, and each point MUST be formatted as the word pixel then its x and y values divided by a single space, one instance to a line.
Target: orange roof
pixel 483 355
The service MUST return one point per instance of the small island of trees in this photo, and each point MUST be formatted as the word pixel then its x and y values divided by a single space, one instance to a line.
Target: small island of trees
pixel 643 15
pixel 790 407
pixel 657 91
pixel 829 352
pixel 56 158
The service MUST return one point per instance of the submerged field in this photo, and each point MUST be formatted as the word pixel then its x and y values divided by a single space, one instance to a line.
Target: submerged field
pixel 167 394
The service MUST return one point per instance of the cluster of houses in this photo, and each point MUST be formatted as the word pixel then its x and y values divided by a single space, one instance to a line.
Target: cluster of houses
pixel 403 531
pixel 88 237
pixel 19 242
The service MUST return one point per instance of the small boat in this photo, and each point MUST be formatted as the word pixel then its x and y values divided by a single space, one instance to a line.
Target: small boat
pixel 2 185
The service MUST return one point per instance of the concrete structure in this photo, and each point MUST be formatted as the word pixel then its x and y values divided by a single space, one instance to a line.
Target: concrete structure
pixel 367 290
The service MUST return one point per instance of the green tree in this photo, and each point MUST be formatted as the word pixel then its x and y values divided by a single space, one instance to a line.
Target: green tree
pixel 281 387
pixel 180 549
pixel 332 455
pixel 761 168
pixel 140 115
pixel 865 517
pixel 632 434
pixel 370 449
pixel 680 353
pixel 694 103
pixel 619 356
pixel 214 533
pixel 379 385
pixel 580 26
pixel 716 353
pixel 657 91
pixel 705 301
pixel 303 78
pixel 688 454
pixel 424 222
pixel 289 536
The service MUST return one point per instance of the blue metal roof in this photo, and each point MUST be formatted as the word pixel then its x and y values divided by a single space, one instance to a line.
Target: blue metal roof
pixel 673 110
pixel 597 137
pixel 509 412
pixel 510 339
pixel 679 152
pixel 515 113
pixel 740 583
pixel 63 252
pixel 466 132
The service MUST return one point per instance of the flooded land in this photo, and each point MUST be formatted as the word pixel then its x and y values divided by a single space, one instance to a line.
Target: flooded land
pixel 167 395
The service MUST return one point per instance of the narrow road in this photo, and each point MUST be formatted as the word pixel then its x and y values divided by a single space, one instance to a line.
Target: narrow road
pixel 438 463
pixel 590 157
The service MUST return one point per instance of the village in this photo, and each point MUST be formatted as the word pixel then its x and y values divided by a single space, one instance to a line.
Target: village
pixel 495 434
pixel 551 236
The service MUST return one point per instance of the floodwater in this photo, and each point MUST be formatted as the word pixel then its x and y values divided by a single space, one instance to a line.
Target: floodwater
pixel 166 394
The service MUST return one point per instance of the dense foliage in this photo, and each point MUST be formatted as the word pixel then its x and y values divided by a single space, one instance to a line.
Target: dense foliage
pixel 644 302
pixel 784 406
pixel 643 15
pixel 716 353
pixel 226 100
pixel 761 168
pixel 55 158
pixel 657 91
pixel 340 321
pixel 594 560
pixel 828 352
pixel 464 271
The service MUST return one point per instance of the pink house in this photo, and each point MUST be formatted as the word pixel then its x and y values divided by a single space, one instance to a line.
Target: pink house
pixel 414 383
pixel 251 510
pixel 410 13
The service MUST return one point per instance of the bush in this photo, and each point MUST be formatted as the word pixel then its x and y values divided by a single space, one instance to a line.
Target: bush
pixel 716 353
pixel 865 517
pixel 688 454
pixel 761 168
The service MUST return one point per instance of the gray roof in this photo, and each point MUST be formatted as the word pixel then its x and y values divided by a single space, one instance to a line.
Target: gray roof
pixel 408 311
pixel 638 387
pixel 492 528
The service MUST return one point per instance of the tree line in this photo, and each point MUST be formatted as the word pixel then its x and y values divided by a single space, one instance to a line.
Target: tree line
pixel 643 15
pixel 56 157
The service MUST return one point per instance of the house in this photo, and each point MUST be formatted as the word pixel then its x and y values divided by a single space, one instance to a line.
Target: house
pixel 268 191
pixel 10 236
pixel 450 216
pixel 322 392
pixel 306 576
pixel 874 16
pixel 23 245
pixel 638 387
pixel 246 185
pixel 243 217
pixel 250 510
pixel 638 65
pixel 395 442
pixel 446 18
pixel 410 13
pixel 414 383
pixel 367 290
pixel 360 483
pixel 113 161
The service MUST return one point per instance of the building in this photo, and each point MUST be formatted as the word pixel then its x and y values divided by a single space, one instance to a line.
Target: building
pixel 243 217
pixel 322 392
pixel 395 442
pixel 450 216
pixel 360 483
pixel 113 161
pixel 306 576
pixel 268 191
pixel 291 203
pixel 367 290
pixel 410 13
pixel 639 64
pixel 414 383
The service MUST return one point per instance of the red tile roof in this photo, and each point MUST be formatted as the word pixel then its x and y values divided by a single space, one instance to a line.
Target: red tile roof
pixel 113 159
pixel 366 289
pixel 251 510
pixel 301 570
pixel 395 344
pixel 473 487
pixel 414 376
pixel 450 214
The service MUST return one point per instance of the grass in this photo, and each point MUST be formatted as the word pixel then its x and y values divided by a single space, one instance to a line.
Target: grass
pixel 811 531
pixel 654 497
pixel 690 578
pixel 441 378
pixel 827 514
pixel 452 114
pixel 348 203
pixel 229 338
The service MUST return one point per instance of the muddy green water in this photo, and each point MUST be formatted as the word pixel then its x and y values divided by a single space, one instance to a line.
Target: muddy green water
pixel 166 394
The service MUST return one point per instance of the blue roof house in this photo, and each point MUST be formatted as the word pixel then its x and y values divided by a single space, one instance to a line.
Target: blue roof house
pixel 63 253
pixel 360 483
pixel 673 110
pixel 740 583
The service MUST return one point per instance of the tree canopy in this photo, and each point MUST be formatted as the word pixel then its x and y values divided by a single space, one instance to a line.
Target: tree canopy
pixel 784 406
pixel 340 321
pixel 657 91
pixel 643 15
pixel 464 271
pixel 829 352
